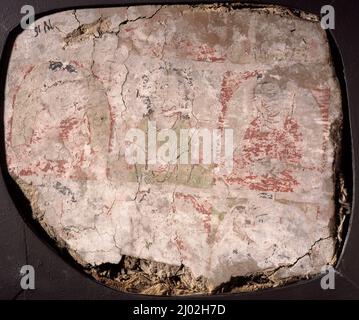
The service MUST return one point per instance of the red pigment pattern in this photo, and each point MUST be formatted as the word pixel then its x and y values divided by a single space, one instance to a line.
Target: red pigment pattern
pixel 204 208
pixel 273 144
pixel 230 84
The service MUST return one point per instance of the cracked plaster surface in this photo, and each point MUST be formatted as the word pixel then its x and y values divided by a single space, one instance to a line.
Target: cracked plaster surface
pixel 73 91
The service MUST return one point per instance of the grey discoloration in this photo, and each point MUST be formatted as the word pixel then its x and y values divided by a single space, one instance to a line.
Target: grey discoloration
pixel 55 65
pixel 65 191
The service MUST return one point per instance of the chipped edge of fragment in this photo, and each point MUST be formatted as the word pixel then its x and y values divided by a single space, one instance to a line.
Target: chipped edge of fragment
pixel 265 8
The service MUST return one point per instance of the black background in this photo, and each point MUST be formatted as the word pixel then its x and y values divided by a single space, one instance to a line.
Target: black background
pixel 57 277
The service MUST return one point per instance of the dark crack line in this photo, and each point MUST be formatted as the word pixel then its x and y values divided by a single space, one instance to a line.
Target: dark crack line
pixel 138 18
pixel 76 18
pixel 299 258
pixel 122 88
